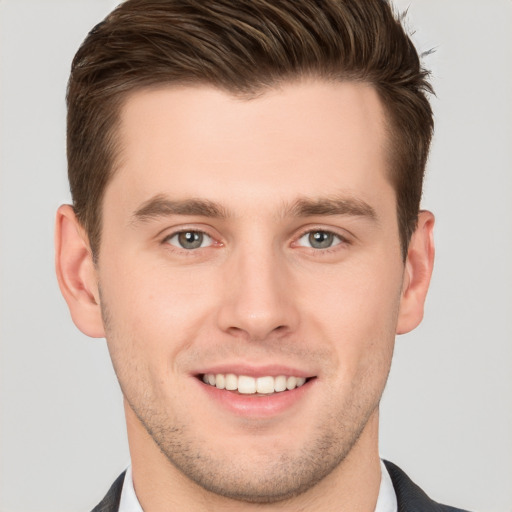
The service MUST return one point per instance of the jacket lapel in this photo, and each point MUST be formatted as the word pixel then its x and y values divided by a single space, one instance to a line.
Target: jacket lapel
pixel 110 502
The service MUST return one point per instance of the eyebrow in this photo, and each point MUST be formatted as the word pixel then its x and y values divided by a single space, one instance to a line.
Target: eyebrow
pixel 307 207
pixel 162 206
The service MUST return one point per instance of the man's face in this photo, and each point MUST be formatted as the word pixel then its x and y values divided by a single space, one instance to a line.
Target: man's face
pixel 252 239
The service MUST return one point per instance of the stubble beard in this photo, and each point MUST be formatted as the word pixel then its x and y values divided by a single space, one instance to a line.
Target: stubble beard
pixel 267 477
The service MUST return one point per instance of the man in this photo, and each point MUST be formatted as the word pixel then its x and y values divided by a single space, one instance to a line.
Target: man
pixel 246 234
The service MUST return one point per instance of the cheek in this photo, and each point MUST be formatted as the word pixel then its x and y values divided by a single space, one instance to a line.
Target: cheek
pixel 356 309
pixel 356 295
pixel 153 308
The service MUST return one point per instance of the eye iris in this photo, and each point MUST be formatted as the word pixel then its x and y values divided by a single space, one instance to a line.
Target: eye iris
pixel 190 239
pixel 320 239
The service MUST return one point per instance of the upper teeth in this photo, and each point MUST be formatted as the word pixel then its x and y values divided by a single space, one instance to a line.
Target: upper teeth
pixel 251 385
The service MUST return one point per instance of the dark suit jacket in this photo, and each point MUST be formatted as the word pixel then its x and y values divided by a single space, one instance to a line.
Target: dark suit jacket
pixel 409 496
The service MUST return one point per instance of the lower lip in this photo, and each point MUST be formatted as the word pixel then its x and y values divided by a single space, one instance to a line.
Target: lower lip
pixel 257 406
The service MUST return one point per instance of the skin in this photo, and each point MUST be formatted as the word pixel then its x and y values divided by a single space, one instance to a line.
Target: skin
pixel 256 293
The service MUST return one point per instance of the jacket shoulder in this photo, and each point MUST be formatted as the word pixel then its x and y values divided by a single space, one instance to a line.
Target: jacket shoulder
pixel 110 502
pixel 410 497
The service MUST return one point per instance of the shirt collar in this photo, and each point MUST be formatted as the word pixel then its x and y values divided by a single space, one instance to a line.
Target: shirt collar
pixel 129 501
pixel 386 502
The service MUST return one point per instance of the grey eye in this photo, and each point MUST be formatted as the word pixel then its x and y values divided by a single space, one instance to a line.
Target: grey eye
pixel 190 240
pixel 319 239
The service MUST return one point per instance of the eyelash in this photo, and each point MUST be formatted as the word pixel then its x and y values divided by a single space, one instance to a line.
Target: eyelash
pixel 343 240
pixel 166 240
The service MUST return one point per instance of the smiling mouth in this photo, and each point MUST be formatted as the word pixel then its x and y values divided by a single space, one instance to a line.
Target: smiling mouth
pixel 258 386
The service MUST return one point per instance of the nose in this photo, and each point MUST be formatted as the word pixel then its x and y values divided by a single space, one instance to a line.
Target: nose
pixel 259 300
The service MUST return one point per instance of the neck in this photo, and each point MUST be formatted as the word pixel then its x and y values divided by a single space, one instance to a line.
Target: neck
pixel 352 486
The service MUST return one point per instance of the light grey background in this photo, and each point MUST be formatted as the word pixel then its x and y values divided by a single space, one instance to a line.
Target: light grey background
pixel 447 410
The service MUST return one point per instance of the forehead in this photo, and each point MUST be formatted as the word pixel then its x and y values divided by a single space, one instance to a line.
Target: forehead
pixel 296 139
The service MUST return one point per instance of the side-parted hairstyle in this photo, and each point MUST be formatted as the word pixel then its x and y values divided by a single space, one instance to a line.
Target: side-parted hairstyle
pixel 244 47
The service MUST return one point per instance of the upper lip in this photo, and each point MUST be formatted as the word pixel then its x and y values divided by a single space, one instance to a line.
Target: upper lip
pixel 272 370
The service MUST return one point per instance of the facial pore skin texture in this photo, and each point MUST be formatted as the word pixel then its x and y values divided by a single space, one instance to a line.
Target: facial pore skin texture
pixel 253 182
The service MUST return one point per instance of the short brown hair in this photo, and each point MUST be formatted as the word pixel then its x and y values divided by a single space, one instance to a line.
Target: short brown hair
pixel 243 47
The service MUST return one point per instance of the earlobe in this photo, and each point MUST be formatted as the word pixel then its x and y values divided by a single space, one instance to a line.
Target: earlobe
pixel 76 273
pixel 417 273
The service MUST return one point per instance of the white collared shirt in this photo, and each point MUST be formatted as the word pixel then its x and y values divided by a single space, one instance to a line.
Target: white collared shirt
pixel 129 501
pixel 386 502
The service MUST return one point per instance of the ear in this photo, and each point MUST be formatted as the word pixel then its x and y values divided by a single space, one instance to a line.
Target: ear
pixel 417 273
pixel 76 273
